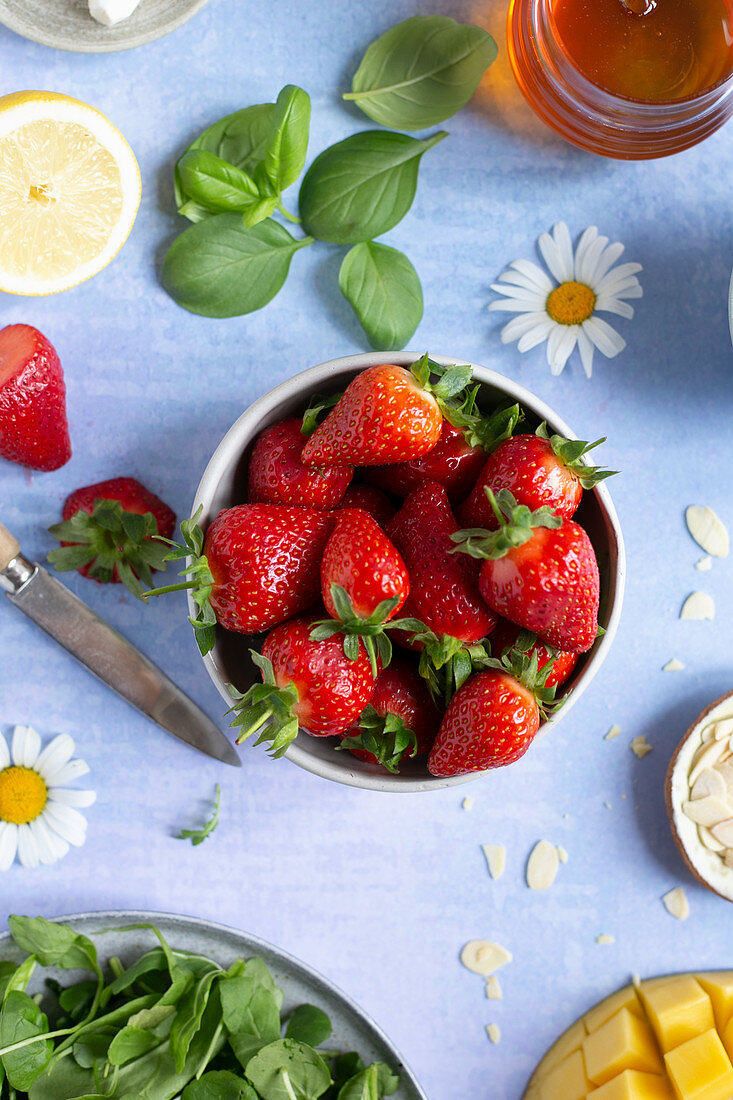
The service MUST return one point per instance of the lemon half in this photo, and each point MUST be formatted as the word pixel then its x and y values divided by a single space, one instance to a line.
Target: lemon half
pixel 69 192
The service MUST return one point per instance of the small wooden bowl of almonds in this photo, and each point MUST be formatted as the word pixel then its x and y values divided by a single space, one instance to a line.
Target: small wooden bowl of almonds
pixel 699 797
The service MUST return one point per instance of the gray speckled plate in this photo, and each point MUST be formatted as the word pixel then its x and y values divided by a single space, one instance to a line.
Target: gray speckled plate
pixel 352 1028
pixel 67 24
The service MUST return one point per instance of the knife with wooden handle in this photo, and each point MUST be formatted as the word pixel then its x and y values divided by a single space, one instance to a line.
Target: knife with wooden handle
pixel 99 647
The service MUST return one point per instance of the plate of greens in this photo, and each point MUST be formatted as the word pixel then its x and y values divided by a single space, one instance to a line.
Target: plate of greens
pixel 143 1006
pixel 67 24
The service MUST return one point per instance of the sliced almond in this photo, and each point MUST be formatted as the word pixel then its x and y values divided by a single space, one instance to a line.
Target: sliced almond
pixel 562 855
pixel 728 858
pixel 484 957
pixel 467 804
pixel 723 730
pixel 706 756
pixel 493 1033
pixel 605 940
pixel 723 832
pixel 698 606
pixel 542 866
pixel 708 840
pixel 612 733
pixel 493 990
pixel 673 666
pixel 709 782
pixel 708 530
pixel 725 771
pixel 707 811
pixel 676 903
pixel 704 564
pixel 640 746
pixel 496 858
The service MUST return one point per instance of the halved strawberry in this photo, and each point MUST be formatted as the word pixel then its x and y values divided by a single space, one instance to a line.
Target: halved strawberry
pixel 540 471
pixel 386 414
pixel 277 474
pixel 33 426
pixel 307 684
pixel 540 571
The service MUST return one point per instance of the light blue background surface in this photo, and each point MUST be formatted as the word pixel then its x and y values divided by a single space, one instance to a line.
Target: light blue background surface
pixel 380 892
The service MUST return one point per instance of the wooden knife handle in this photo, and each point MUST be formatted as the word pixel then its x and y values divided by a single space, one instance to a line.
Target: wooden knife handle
pixel 9 547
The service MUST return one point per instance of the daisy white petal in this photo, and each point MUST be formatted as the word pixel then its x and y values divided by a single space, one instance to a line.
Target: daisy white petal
pixel 587 239
pixel 8 844
pixel 68 823
pixel 557 252
pixel 27 847
pixel 49 844
pixel 560 346
pixel 69 796
pixel 536 336
pixel 516 278
pixel 55 755
pixel 586 349
pixel 71 771
pixel 615 305
pixel 4 753
pixel 533 273
pixel 605 338
pixel 508 305
pixel 610 255
pixel 584 271
pixel 517 327
pixel 617 275
pixel 518 292
pixel 26 746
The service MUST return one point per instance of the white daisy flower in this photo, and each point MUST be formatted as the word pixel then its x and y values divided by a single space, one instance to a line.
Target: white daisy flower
pixel 563 312
pixel 39 815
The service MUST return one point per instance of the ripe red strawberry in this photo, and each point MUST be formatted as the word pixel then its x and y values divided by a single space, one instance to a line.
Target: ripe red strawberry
pixel 33 426
pixel 540 571
pixel 490 721
pixel 307 683
pixel 258 566
pixel 400 722
pixel 277 474
pixel 444 591
pixel 452 461
pixel 370 500
pixel 364 583
pixel 386 414
pixel 508 635
pixel 109 533
pixel 540 471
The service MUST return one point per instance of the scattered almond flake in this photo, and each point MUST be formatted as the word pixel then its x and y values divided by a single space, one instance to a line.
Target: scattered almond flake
pixel 493 990
pixel 704 564
pixel 493 1033
pixel 605 940
pixel 707 811
pixel 623 796
pixel 565 817
pixel 484 957
pixel 542 865
pixel 698 606
pixel 708 530
pixel 673 666
pixel 562 855
pixel 723 832
pixel 676 903
pixel 640 746
pixel 612 733
pixel 467 804
pixel 495 858
pixel 607 805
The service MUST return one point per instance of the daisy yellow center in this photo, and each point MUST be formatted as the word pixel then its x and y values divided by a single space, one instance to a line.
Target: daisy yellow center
pixel 571 303
pixel 23 795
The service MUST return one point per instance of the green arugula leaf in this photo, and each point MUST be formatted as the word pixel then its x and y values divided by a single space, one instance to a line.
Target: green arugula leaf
pixel 213 183
pixel 287 146
pixel 198 836
pixel 219 1085
pixel 21 1018
pixel 363 186
pixel 219 268
pixel 309 1024
pixel 384 290
pixel 421 72
pixel 288 1070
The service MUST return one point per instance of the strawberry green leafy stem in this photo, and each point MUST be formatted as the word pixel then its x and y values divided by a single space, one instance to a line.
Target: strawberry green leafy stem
pixel 446 662
pixel 200 584
pixel 516 525
pixel 385 736
pixel 480 430
pixel 523 665
pixel 266 707
pixel 369 632
pixel 451 381
pixel 572 452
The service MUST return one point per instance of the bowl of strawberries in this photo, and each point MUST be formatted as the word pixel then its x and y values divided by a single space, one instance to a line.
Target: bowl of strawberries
pixel 401 573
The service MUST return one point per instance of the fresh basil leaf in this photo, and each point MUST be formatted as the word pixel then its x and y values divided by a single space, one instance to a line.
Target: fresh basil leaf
pixel 213 183
pixel 21 1018
pixel 219 268
pixel 421 72
pixel 363 186
pixel 288 143
pixel 288 1070
pixel 384 290
pixel 54 944
pixel 372 1083
pixel 310 1025
pixel 240 139
pixel 219 1085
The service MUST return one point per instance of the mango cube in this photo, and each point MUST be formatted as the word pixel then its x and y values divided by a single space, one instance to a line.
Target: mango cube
pixel 700 1069
pixel 678 1010
pixel 566 1044
pixel 632 1085
pixel 625 998
pixel 567 1081
pixel 719 988
pixel 623 1042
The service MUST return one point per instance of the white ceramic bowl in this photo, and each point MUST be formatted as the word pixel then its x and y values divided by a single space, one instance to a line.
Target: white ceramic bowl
pixel 224 484
pixel 730 307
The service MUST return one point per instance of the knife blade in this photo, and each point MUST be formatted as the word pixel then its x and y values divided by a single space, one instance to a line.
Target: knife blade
pixel 106 653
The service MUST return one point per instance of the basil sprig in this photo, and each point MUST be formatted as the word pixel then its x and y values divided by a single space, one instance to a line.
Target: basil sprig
pixel 384 290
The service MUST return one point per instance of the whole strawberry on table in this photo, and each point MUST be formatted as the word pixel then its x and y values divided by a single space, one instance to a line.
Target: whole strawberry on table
pixel 400 513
